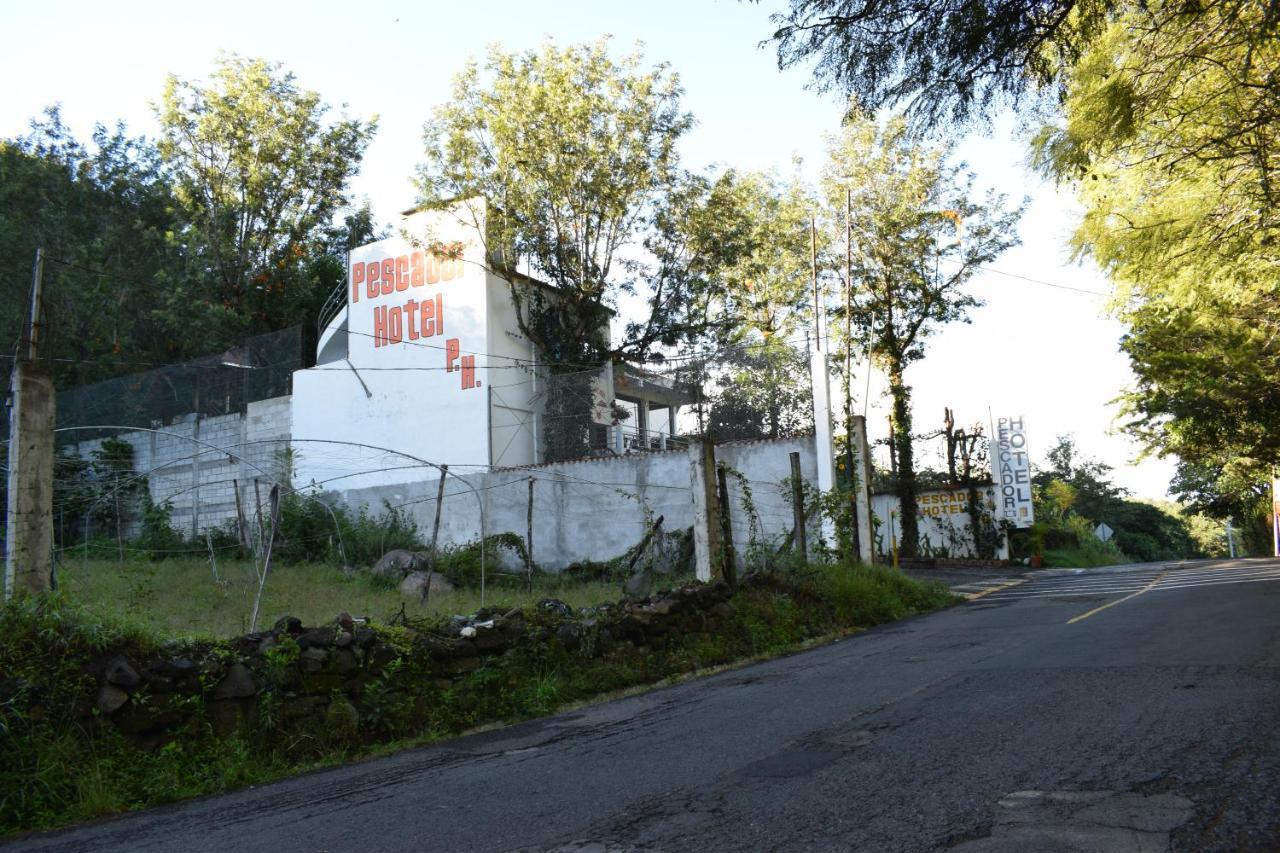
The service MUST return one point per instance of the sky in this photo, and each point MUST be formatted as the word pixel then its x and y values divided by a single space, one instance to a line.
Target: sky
pixel 1046 352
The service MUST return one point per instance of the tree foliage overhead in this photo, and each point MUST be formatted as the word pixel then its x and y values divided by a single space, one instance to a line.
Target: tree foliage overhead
pixel 259 175
pixel 1163 117
pixel 1169 136
pixel 575 151
pixel 943 59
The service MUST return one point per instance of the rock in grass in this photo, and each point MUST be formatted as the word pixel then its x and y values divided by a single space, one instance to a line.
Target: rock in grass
pixel 237 684
pixel 638 585
pixel 341 721
pixel 394 565
pixel 111 698
pixel 121 674
pixel 423 585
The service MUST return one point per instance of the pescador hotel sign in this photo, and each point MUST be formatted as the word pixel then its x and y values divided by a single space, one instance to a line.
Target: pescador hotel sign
pixel 415 301
pixel 1011 471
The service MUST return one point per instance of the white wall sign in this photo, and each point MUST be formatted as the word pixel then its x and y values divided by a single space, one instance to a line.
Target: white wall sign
pixel 416 375
pixel 1011 471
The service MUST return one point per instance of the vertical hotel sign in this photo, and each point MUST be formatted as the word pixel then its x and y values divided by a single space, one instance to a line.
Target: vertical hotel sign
pixel 1011 471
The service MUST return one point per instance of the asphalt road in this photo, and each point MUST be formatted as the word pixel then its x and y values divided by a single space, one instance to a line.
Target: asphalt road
pixel 1135 710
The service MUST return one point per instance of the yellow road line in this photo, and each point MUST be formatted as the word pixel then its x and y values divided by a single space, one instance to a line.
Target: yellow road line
pixel 1146 588
pixel 974 596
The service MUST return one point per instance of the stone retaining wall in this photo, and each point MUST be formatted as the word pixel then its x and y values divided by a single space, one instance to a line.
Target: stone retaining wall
pixel 333 681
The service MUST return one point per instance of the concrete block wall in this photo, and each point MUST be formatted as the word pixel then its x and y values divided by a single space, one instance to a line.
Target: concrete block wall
pixel 197 464
pixel 595 509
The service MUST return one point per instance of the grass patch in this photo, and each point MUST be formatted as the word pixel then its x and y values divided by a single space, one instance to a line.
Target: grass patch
pixel 1086 557
pixel 60 761
pixel 179 598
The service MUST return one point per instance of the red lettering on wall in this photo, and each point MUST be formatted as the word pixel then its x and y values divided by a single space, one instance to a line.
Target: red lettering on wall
pixel 395 325
pixel 388 277
pixel 417 273
pixel 402 273
pixel 452 348
pixel 469 372
pixel 371 279
pixel 357 279
pixel 379 325
pixel 429 317
pixel 411 318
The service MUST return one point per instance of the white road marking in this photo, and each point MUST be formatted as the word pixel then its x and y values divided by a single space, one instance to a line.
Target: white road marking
pixel 1145 580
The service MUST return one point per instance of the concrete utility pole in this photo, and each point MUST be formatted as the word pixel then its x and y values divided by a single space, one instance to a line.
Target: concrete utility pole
pixel 820 382
pixel 857 484
pixel 707 529
pixel 28 559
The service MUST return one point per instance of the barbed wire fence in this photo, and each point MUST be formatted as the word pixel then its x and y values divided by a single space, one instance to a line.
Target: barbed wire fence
pixel 161 446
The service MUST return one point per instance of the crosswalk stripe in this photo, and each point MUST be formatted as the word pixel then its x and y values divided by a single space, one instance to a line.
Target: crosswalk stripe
pixel 1118 584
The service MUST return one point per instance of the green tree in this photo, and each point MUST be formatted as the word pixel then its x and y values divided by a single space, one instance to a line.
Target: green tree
pixel 1169 140
pixel 754 234
pixel 575 152
pixel 102 212
pixel 260 173
pixel 919 237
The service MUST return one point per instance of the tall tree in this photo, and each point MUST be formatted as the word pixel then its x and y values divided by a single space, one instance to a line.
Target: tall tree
pixel 756 230
pixel 102 212
pixel 1169 139
pixel 575 151
pixel 260 173
pixel 919 236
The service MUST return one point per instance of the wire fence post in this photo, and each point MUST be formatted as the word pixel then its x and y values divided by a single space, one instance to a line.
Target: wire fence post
pixel 435 527
pixel 797 507
pixel 240 525
pixel 266 564
pixel 213 561
pixel 528 542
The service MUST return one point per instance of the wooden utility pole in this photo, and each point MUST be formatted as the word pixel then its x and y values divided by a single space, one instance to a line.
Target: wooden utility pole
pixel 797 506
pixel 28 564
pixel 706 509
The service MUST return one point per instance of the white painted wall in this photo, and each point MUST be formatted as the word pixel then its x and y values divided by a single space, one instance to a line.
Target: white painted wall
pixel 375 421
pixel 594 509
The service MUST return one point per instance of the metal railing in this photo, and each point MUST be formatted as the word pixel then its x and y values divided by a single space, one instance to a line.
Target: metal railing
pixel 629 439
pixel 334 305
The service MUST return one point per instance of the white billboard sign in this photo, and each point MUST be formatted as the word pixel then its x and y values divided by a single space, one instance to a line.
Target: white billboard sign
pixel 1011 471
pixel 417 332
